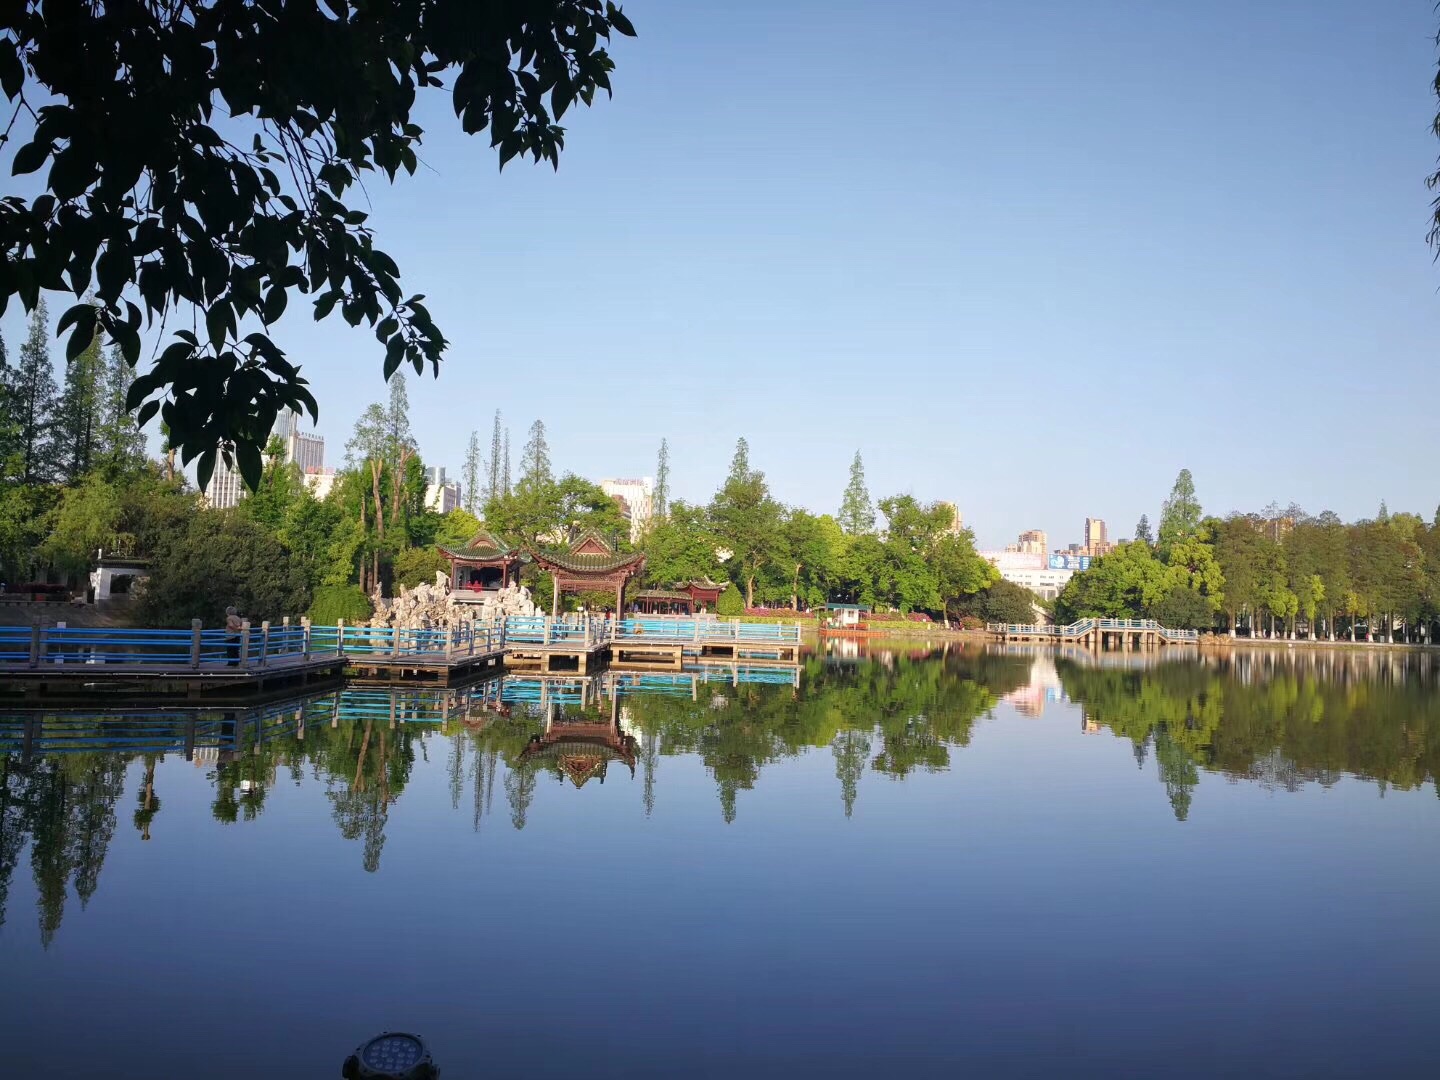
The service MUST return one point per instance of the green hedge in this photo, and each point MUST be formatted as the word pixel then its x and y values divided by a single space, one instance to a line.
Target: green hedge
pixel 335 602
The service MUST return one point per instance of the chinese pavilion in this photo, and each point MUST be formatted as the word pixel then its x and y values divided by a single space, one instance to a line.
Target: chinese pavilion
pixel 590 565
pixel 693 596
pixel 485 563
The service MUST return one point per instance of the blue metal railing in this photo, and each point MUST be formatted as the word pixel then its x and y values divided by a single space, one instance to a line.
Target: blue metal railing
pixel 1079 629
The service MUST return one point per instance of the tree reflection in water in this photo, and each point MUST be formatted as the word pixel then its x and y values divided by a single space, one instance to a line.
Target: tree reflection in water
pixel 1282 719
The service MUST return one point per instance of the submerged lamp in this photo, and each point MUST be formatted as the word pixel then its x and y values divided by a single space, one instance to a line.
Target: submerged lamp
pixel 391 1055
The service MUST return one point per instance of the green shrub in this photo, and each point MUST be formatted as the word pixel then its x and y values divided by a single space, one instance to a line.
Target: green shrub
pixel 417 566
pixel 731 602
pixel 335 602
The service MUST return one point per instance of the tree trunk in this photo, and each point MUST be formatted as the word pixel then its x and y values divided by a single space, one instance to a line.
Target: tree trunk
pixel 749 591
pixel 379 504
pixel 795 590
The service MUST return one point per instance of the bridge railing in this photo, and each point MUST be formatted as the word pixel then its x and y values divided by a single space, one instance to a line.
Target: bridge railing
pixel 671 629
pixel 1082 627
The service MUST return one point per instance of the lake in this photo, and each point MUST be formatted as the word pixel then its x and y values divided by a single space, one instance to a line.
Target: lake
pixel 898 860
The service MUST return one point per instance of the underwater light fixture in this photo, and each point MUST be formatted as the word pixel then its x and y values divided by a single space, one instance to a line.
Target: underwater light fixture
pixel 391 1055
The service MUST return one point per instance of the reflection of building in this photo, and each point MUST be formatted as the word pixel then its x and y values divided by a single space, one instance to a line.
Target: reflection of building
pixel 957 523
pixel 580 751
pixel 441 495
pixel 636 499
pixel 1044 687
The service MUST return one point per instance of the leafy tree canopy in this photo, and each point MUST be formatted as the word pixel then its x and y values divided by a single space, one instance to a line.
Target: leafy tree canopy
pixel 203 154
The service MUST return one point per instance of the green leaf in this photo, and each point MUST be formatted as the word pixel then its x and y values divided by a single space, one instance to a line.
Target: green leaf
pixel 12 72
pixel 205 469
pixel 149 409
pixel 251 464
pixel 275 301
pixel 394 353
pixel 29 158
pixel 325 304
pixel 217 322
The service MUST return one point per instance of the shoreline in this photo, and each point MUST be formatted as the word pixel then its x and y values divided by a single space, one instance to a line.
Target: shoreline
pixel 1222 641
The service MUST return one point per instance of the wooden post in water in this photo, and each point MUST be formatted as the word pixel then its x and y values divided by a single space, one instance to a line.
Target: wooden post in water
pixel 244 642
pixel 195 643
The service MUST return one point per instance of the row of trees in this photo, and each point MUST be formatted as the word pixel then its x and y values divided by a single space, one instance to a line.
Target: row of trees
pixel 1279 572
pixel 779 555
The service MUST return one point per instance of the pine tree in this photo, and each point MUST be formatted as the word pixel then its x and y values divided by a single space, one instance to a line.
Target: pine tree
pixel 535 460
pixel 79 417
pixel 662 482
pixel 397 419
pixel 9 426
pixel 740 463
pixel 857 513
pixel 1180 518
pixel 492 486
pixel 505 466
pixel 34 398
pixel 472 472
pixel 1384 514
pixel 121 444
pixel 1142 530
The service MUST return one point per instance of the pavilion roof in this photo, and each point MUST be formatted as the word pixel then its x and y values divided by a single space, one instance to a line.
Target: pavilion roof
pixel 589 555
pixel 662 594
pixel 582 757
pixel 706 583
pixel 483 546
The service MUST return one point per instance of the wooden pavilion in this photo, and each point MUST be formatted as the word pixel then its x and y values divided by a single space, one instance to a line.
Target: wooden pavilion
pixel 704 593
pixel 590 565
pixel 664 602
pixel 484 564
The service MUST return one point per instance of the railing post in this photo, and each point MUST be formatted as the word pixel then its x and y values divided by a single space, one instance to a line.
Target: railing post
pixel 395 641
pixel 244 642
pixel 35 645
pixel 44 648
pixel 264 641
pixel 285 636
pixel 305 637
pixel 339 637
pixel 195 643
pixel 545 635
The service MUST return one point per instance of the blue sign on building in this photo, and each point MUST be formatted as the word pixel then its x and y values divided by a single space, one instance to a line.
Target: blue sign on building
pixel 1069 562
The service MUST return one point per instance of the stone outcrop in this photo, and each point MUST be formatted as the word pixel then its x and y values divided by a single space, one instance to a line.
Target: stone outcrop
pixel 429 607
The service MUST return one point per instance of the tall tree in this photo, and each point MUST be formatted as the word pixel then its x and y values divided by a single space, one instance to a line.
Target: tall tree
pixel 121 445
pixel 661 502
pixel 747 519
pixel 34 397
pixel 857 513
pixel 471 478
pixel 157 196
pixel 497 447
pixel 398 436
pixel 535 460
pixel 1180 518
pixel 1142 530
pixel 505 466
pixel 79 415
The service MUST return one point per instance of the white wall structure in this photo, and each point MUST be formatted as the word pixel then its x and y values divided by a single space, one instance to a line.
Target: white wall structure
pixel 303 448
pixel 320 482
pixel 443 497
pixel 1030 570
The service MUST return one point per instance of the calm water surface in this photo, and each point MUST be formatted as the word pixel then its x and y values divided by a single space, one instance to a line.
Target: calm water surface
pixel 911 862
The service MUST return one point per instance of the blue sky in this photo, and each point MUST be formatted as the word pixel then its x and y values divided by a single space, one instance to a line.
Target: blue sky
pixel 1033 258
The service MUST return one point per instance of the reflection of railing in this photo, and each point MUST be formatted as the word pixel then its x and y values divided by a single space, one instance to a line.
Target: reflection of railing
pixel 1083 627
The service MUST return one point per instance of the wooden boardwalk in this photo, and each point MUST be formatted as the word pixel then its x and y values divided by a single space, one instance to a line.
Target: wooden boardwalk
pixel 60 663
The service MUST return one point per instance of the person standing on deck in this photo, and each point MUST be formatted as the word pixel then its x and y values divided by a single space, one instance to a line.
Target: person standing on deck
pixel 234 627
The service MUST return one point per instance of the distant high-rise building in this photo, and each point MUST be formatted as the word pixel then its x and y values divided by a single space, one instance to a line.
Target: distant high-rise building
pixel 1097 538
pixel 636 499
pixel 1033 542
pixel 226 488
pixel 320 482
pixel 957 523
pixel 444 496
pixel 302 448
